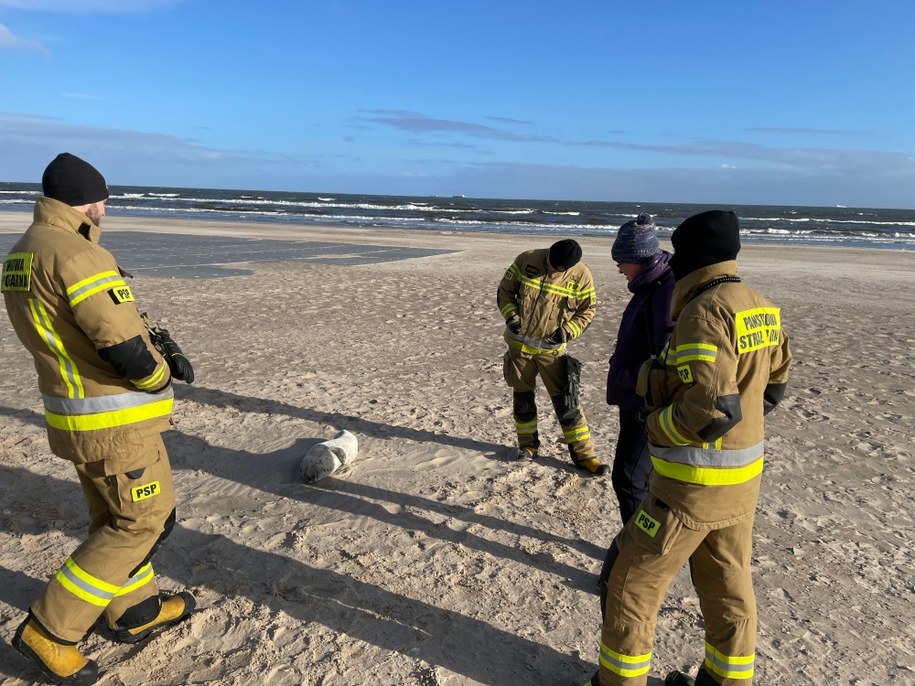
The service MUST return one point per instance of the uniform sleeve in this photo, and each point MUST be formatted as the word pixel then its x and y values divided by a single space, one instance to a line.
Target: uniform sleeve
pixel 779 364
pixel 586 309
pixel 103 306
pixel 507 294
pixel 704 358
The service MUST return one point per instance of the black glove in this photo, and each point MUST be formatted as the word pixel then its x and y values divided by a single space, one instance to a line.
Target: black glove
pixel 514 323
pixel 178 364
pixel 558 337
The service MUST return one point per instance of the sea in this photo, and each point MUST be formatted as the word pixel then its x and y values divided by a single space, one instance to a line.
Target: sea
pixel 835 226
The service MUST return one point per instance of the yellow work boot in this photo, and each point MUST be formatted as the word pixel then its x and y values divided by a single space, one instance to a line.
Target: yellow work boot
pixel 63 663
pixel 526 454
pixel 172 609
pixel 593 465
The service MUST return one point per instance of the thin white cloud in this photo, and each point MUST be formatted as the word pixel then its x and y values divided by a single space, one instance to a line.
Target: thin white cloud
pixel 417 123
pixel 89 6
pixel 812 159
pixel 133 157
pixel 83 96
pixel 10 41
pixel 811 132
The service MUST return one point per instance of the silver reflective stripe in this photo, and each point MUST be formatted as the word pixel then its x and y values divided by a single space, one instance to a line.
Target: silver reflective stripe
pixel 98 284
pixel 46 331
pixel 736 669
pixel 630 664
pixel 105 403
pixel 709 457
pixel 532 342
pixel 85 586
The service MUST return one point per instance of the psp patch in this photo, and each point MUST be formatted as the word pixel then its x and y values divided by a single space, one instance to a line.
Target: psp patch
pixel 648 524
pixel 685 373
pixel 150 490
pixel 17 272
pixel 121 294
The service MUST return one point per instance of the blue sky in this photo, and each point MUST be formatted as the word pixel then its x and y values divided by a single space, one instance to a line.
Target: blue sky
pixel 806 102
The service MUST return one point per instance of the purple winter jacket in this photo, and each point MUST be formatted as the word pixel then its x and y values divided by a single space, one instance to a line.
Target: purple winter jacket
pixel 647 314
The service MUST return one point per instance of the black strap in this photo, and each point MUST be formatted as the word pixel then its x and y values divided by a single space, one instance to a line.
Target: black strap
pixel 715 282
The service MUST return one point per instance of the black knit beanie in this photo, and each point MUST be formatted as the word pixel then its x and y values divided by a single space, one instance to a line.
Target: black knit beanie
pixel 73 181
pixel 704 239
pixel 564 254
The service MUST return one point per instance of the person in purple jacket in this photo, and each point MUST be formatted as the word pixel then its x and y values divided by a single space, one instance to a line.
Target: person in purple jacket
pixel 643 332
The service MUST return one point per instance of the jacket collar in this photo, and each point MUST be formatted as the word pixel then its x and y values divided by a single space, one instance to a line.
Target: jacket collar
pixel 686 287
pixel 56 213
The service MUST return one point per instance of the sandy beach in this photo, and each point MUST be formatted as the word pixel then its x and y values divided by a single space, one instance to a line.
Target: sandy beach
pixel 436 559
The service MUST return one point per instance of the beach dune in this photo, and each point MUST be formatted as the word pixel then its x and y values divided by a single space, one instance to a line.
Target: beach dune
pixel 435 559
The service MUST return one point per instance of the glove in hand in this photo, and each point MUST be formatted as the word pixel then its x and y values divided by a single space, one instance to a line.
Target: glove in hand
pixel 179 366
pixel 514 324
pixel 558 337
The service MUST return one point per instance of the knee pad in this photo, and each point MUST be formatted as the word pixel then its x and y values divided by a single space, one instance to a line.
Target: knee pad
pixel 166 530
pixel 568 416
pixel 524 405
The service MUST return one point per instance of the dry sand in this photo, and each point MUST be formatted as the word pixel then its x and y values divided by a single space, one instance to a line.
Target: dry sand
pixel 435 559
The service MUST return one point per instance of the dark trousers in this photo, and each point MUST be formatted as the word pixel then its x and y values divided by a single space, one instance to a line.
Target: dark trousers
pixel 631 464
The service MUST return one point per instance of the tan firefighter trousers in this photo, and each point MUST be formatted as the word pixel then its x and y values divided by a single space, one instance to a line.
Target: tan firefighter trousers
pixel 131 503
pixel 520 372
pixel 652 548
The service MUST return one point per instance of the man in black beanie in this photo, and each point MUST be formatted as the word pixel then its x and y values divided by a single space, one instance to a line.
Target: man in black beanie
pixel 73 181
pixel 724 367
pixel 547 298
pixel 107 395
pixel 704 239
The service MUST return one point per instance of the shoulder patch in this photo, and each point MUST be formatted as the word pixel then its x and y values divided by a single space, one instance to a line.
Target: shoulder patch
pixel 531 270
pixel 17 272
pixel 757 328
pixel 121 294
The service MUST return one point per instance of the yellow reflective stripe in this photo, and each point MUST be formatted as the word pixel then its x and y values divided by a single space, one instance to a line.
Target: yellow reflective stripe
pixel 68 371
pixel 508 309
pixel 530 349
pixel 729 666
pixel 107 420
pixel 666 422
pixel 582 433
pixel 525 428
pixel 540 284
pixel 85 586
pixel 141 578
pixel 624 665
pixel 707 476
pixel 92 285
pixel 574 329
pixel 693 352
pixel 155 379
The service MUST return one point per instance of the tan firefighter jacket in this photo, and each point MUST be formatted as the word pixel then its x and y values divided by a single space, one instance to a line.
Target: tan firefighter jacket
pixel 725 365
pixel 545 302
pixel 104 386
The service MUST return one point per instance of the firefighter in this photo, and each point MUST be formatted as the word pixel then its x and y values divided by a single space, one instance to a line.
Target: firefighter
pixel 547 298
pixel 107 397
pixel 724 367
